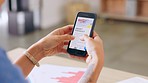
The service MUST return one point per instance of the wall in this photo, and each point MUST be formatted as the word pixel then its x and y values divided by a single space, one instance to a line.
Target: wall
pixel 94 5
pixel 52 12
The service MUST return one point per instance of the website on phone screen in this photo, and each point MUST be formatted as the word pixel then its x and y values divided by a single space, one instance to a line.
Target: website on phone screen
pixel 83 26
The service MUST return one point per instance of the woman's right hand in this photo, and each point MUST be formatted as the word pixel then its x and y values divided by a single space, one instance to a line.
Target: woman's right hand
pixel 94 47
pixel 94 58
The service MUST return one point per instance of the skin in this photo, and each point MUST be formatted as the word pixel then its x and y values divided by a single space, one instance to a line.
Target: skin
pixel 53 44
pixel 95 50
pixel 95 58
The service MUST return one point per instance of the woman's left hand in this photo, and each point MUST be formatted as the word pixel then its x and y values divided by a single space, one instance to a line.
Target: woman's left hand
pixel 54 42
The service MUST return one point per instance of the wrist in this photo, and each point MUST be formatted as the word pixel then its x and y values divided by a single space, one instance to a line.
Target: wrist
pixel 36 51
pixel 98 59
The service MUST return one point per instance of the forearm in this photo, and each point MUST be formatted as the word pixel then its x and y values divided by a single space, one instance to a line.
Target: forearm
pixel 87 75
pixel 93 71
pixel 25 64
pixel 96 72
pixel 98 66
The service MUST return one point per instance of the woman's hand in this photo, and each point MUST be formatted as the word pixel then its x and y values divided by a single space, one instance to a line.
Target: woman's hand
pixel 56 40
pixel 53 43
pixel 95 58
pixel 94 47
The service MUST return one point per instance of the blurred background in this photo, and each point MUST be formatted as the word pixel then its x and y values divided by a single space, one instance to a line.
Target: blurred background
pixel 122 25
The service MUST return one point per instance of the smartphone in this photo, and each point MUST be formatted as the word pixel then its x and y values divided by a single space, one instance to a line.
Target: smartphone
pixel 84 24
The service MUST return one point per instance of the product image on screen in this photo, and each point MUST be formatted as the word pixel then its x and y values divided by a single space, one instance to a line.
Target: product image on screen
pixel 83 26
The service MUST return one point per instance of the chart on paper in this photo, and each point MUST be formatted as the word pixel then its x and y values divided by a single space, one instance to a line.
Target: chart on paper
pixel 55 74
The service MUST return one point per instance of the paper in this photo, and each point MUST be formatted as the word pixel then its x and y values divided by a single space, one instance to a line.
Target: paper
pixel 135 80
pixel 55 74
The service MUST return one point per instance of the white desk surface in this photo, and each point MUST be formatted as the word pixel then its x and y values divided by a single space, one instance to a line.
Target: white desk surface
pixel 108 75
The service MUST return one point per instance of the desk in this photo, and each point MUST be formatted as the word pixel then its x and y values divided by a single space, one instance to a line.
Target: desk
pixel 108 75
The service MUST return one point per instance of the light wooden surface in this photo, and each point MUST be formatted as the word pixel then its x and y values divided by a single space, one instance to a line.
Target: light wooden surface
pixel 108 75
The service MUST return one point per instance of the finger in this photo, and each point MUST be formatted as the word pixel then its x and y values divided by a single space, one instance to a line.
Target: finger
pixel 66 43
pixel 97 38
pixel 70 56
pixel 63 50
pixel 67 29
pixel 65 37
pixel 82 38
pixel 85 38
pixel 94 34
pixel 77 57
pixel 88 59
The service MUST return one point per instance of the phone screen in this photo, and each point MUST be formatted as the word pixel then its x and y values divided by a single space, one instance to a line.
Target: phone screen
pixel 83 26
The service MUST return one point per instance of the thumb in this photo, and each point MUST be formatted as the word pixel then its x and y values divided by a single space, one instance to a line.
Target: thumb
pixel 85 38
pixel 66 37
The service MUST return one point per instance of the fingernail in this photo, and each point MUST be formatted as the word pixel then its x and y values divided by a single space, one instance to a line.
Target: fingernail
pixel 81 37
pixel 72 37
pixel 85 35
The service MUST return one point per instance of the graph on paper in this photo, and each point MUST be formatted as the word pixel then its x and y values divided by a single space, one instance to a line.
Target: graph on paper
pixel 55 74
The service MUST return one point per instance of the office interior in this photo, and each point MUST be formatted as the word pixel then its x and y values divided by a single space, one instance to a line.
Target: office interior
pixel 122 25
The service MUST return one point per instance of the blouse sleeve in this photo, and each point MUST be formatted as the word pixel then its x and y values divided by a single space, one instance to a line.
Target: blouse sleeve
pixel 9 73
